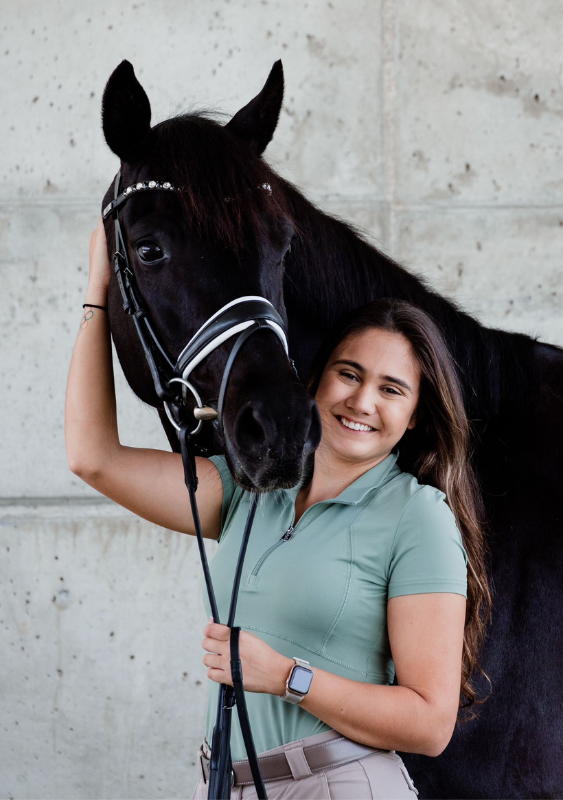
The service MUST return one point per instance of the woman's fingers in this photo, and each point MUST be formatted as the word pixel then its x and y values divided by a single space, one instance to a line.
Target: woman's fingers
pixel 211 645
pixel 212 660
pixel 216 631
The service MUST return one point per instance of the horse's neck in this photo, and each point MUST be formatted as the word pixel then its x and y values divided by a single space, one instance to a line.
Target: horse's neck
pixel 333 270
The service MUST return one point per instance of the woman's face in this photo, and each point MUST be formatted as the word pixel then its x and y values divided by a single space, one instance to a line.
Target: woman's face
pixel 367 396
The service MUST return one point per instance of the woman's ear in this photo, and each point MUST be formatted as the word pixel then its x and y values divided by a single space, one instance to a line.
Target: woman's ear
pixel 412 422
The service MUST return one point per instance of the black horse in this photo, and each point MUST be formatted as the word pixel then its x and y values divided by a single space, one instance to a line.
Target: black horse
pixel 237 228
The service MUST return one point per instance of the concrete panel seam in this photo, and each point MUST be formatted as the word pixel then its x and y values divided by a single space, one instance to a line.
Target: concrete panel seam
pixel 389 28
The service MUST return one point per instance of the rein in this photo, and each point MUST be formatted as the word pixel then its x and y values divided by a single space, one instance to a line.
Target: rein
pixel 241 317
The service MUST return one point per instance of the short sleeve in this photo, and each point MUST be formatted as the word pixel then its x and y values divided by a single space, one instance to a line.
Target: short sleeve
pixel 427 554
pixel 229 485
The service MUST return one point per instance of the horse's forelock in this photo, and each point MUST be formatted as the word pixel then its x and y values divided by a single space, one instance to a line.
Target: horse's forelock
pixel 223 183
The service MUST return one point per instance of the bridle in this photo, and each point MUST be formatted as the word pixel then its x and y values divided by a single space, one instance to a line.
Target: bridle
pixel 241 317
pixel 245 314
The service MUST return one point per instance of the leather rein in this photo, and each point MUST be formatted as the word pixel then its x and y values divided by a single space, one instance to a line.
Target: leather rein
pixel 241 317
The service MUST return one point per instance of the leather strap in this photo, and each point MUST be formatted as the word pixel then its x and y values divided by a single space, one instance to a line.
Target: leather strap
pixel 221 773
pixel 256 325
pixel 236 671
pixel 227 320
pixel 221 767
pixel 321 756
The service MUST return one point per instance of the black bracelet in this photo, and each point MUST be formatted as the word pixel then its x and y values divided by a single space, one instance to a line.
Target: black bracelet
pixel 91 305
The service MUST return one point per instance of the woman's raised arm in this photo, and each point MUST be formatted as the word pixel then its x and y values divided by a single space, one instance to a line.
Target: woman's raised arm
pixel 148 482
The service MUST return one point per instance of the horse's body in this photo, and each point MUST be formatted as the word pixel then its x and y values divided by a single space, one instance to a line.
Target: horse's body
pixel 513 391
pixel 514 395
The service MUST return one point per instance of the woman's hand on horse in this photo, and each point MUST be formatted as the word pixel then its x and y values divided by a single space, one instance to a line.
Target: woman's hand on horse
pixel 263 668
pixel 100 267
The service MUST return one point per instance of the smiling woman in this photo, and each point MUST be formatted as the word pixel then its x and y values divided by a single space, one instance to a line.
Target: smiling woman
pixel 386 368
pixel 367 397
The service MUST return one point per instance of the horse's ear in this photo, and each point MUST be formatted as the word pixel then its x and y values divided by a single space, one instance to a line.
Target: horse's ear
pixel 126 114
pixel 256 122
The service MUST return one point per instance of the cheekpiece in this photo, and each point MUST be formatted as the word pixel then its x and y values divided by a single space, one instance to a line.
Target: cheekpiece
pixel 141 186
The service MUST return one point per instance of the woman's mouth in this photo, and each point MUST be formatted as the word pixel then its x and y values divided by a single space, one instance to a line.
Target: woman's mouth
pixel 354 426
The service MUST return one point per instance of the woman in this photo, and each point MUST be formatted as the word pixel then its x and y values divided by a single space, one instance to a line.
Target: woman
pixel 360 572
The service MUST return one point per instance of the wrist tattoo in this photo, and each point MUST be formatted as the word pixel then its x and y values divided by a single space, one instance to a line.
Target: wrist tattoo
pixel 88 314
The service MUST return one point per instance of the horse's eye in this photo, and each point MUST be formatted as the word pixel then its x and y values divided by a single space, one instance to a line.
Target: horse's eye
pixel 149 252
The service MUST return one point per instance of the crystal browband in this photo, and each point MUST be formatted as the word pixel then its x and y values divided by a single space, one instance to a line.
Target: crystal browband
pixel 142 186
pixel 136 187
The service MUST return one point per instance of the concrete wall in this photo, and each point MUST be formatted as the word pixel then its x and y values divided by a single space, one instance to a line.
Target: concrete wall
pixel 436 126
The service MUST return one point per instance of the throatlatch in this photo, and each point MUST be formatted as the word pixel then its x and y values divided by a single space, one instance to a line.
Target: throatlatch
pixel 242 317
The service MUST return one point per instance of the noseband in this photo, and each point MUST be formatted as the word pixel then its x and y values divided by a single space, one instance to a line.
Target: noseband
pixel 241 317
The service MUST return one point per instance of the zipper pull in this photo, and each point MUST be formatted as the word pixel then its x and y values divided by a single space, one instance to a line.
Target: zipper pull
pixel 287 535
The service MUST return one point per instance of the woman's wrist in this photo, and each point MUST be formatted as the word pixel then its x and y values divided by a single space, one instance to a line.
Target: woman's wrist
pixel 97 294
pixel 286 665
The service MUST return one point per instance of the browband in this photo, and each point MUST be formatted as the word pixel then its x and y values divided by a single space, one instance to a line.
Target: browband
pixel 136 187
pixel 141 186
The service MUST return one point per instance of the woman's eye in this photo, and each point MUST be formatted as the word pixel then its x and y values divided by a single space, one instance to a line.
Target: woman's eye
pixel 348 375
pixel 390 390
pixel 149 252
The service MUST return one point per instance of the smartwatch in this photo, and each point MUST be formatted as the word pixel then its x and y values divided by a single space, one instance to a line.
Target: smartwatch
pixel 299 681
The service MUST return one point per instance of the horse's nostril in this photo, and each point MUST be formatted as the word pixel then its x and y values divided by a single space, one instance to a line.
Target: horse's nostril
pixel 249 429
pixel 258 431
pixel 271 440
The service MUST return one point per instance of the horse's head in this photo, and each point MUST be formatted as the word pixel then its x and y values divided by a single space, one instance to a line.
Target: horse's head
pixel 224 234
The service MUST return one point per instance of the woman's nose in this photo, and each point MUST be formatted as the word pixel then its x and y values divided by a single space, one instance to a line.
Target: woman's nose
pixel 362 401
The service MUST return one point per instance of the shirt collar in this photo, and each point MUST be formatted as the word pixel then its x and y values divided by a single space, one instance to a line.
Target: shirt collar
pixel 372 479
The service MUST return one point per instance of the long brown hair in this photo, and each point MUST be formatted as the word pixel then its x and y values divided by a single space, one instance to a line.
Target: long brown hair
pixel 438 452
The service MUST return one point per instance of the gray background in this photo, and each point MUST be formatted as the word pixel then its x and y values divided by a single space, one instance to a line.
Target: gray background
pixel 437 126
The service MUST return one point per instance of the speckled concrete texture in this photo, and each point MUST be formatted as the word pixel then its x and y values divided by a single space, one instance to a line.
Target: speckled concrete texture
pixel 103 690
pixel 436 127
pixel 211 53
pixel 480 117
pixel 505 265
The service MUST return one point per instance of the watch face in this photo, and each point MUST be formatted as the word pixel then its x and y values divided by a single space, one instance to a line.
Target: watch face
pixel 300 679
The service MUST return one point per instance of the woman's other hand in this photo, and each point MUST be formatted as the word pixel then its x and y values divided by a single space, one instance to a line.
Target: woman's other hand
pixel 263 668
pixel 100 267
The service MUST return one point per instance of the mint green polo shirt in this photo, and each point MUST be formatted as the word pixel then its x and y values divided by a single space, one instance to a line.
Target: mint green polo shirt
pixel 321 594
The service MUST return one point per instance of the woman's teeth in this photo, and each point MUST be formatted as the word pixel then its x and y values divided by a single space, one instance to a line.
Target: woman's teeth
pixel 355 426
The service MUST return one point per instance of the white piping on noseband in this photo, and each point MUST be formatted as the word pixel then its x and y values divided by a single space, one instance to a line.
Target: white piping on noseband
pixel 227 334
pixel 213 345
pixel 216 314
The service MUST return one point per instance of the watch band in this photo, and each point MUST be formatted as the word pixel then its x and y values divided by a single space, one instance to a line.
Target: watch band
pixel 292 696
